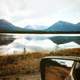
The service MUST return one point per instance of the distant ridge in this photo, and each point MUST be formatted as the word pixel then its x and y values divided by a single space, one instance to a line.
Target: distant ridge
pixel 35 27
pixel 6 26
pixel 62 26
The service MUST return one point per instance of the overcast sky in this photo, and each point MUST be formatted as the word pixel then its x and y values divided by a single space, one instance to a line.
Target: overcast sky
pixel 41 12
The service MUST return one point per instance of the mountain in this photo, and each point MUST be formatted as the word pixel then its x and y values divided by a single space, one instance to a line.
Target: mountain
pixel 68 45
pixel 60 26
pixel 35 27
pixel 63 26
pixel 65 39
pixel 6 26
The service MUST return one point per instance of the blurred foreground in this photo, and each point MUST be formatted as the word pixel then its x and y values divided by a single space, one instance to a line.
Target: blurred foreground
pixel 25 66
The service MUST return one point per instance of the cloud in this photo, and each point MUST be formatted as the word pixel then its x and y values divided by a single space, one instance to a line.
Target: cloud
pixel 35 21
pixel 39 11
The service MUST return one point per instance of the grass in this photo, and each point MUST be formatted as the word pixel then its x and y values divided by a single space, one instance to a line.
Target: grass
pixel 20 63
pixel 29 62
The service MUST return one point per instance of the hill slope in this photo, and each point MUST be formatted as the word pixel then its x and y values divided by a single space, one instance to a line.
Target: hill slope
pixel 6 26
pixel 62 26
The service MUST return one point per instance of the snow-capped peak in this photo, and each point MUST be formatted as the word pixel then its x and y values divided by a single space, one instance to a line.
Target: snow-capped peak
pixel 35 27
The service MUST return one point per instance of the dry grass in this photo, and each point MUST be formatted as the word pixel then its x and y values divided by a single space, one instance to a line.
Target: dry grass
pixel 20 63
pixel 29 63
pixel 67 52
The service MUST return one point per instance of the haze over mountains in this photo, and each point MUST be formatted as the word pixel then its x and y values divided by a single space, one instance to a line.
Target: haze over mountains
pixel 35 27
pixel 60 26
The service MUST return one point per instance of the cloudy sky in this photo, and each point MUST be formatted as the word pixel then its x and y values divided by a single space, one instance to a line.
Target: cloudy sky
pixel 40 12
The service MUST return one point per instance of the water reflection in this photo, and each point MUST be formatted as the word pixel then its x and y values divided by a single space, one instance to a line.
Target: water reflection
pixel 37 42
pixel 57 38
pixel 67 63
pixel 6 39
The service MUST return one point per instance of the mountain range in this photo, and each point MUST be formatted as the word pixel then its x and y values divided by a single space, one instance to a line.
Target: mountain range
pixel 60 26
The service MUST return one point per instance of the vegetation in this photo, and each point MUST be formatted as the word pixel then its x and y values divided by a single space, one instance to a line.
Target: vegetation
pixel 20 63
pixel 67 52
pixel 29 62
